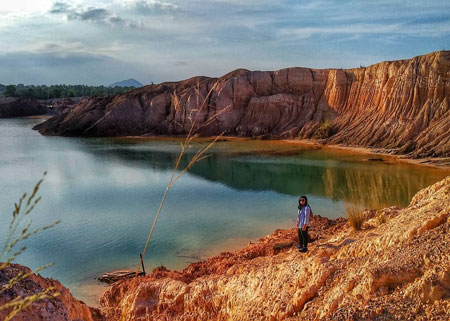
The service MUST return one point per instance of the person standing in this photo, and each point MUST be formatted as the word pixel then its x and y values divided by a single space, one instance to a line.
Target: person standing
pixel 303 223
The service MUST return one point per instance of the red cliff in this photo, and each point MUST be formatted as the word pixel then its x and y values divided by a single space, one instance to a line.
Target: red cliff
pixel 400 106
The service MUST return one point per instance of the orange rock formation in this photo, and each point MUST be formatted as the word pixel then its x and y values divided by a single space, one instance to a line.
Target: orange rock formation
pixel 401 106
pixel 393 270
pixel 62 308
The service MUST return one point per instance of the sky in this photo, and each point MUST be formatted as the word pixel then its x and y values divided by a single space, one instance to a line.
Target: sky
pixel 99 42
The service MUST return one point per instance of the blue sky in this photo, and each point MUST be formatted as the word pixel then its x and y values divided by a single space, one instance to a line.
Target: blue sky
pixel 99 42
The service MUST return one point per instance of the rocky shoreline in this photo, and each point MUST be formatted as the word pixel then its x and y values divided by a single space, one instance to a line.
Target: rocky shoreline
pixel 398 269
pixel 395 268
pixel 63 307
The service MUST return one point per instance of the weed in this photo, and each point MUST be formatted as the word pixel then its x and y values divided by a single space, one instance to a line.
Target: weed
pixel 325 130
pixel 184 146
pixel 18 232
pixel 355 216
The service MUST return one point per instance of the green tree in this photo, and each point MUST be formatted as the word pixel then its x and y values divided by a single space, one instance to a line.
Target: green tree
pixel 10 91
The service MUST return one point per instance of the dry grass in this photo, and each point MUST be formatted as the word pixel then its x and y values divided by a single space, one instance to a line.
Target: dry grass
pixel 18 232
pixel 186 145
pixel 355 216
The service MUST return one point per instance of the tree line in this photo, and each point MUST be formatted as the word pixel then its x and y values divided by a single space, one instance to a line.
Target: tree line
pixel 58 91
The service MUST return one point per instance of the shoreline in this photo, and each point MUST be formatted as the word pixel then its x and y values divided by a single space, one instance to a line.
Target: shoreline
pixel 428 162
pixel 371 267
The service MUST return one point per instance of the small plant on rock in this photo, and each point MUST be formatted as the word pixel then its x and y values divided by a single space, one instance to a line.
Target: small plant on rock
pixel 355 216
pixel 325 130
pixel 20 230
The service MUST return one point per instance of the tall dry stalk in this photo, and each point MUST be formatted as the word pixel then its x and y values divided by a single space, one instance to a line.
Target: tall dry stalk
pixel 184 146
pixel 18 232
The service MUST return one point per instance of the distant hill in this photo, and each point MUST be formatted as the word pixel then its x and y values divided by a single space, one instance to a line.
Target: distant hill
pixel 127 83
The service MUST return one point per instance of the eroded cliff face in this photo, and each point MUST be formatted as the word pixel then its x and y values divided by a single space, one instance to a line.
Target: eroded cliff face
pixel 62 308
pixel 402 106
pixel 393 270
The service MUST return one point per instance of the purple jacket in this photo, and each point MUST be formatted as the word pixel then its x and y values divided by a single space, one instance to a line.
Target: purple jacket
pixel 303 216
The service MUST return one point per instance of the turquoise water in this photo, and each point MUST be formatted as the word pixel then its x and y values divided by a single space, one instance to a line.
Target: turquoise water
pixel 106 193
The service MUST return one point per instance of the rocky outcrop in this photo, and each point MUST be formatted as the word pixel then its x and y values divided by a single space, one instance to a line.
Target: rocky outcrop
pixel 64 307
pixel 21 107
pixel 401 106
pixel 58 106
pixel 396 268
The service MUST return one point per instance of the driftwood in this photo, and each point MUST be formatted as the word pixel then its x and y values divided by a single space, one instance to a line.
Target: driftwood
pixel 115 276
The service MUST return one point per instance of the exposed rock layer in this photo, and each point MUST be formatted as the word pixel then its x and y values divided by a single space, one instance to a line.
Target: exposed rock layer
pixel 62 308
pixel 402 106
pixel 396 268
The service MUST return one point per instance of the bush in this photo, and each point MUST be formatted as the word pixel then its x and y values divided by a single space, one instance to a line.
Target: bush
pixel 325 130
pixel 355 216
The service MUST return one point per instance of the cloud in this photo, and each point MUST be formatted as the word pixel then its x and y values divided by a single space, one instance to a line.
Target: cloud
pixel 174 39
pixel 91 14
pixel 60 7
pixel 100 15
pixel 50 59
pixel 399 29
pixel 143 6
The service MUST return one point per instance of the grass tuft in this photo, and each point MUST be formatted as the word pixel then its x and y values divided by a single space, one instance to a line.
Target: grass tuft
pixel 19 231
pixel 355 216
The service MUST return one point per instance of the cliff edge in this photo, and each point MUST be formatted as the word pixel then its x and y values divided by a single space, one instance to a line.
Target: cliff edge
pixel 64 307
pixel 400 106
pixel 395 268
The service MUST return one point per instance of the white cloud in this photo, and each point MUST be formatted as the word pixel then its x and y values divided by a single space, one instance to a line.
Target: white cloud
pixel 92 14
pixel 211 37
pixel 25 7
pixel 145 5
pixel 374 28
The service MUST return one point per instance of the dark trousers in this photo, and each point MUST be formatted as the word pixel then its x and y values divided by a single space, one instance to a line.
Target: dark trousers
pixel 303 237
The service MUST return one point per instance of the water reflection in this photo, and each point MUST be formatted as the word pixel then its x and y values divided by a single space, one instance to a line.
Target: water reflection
pixel 321 173
pixel 106 192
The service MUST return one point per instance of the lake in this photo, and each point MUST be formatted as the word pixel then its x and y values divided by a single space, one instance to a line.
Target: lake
pixel 106 192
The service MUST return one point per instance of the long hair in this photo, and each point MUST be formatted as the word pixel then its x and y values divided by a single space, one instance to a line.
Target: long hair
pixel 300 206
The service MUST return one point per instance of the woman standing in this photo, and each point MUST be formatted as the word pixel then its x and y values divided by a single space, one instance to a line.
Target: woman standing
pixel 304 212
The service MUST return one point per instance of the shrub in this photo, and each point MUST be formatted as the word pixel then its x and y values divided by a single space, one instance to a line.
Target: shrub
pixel 355 216
pixel 325 130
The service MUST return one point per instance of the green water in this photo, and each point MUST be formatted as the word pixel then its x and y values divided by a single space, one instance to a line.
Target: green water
pixel 107 191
